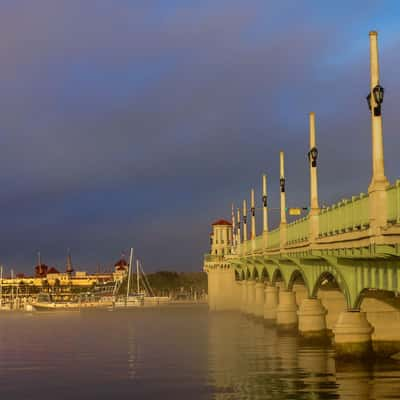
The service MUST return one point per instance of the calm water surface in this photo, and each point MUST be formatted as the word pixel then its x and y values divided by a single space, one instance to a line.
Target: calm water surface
pixel 176 352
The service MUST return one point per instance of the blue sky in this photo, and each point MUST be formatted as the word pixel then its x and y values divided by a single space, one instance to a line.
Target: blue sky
pixel 139 123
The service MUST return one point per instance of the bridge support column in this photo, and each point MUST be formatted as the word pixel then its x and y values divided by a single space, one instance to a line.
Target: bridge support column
pixel 353 335
pixel 243 303
pixel 270 304
pixel 312 321
pixel 259 301
pixel 251 294
pixel 286 313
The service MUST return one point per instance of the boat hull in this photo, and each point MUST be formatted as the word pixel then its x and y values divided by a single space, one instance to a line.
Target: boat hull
pixel 42 306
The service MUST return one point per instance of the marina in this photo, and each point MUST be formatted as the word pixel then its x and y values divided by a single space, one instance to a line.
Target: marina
pixel 104 292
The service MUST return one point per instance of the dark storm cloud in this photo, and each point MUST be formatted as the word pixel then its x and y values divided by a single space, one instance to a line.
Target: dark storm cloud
pixel 138 124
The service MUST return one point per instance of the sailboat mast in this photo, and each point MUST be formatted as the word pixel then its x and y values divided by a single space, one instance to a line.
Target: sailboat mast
pixel 1 286
pixel 128 286
pixel 137 276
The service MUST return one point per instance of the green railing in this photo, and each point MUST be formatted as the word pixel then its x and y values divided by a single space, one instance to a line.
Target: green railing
pixel 393 199
pixel 213 258
pixel 259 243
pixel 298 231
pixel 345 216
pixel 274 239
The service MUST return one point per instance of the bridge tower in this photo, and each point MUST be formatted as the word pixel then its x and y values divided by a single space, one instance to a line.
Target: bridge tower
pixel 222 287
pixel 221 238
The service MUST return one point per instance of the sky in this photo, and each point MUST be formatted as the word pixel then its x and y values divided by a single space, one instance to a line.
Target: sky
pixel 138 123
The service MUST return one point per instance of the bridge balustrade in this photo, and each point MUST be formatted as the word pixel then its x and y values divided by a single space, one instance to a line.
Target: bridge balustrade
pixel 213 258
pixel 346 215
pixel 393 199
pixel 274 239
pixel 259 243
pixel 298 231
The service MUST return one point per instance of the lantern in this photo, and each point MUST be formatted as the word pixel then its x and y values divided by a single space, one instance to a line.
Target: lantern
pixel 312 156
pixel 282 184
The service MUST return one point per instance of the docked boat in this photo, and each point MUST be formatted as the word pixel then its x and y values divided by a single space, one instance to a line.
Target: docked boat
pixel 144 295
pixel 46 302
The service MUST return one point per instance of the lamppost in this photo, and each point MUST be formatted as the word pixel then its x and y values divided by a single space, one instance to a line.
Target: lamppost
pixel 379 182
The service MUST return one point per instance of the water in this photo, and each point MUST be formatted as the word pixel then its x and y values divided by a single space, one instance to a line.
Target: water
pixel 175 352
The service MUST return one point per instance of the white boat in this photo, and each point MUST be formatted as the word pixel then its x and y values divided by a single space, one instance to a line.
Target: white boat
pixel 129 301
pixel 45 302
pixel 141 298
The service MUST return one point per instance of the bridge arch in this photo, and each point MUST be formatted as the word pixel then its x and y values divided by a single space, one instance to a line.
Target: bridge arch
pixel 277 276
pixel 265 275
pixel 255 274
pixel 333 276
pixel 242 275
pixel 238 275
pixel 296 276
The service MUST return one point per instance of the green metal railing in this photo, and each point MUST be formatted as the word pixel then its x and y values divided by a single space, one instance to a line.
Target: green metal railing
pixel 345 216
pixel 298 231
pixel 259 243
pixel 393 199
pixel 274 239
pixel 213 258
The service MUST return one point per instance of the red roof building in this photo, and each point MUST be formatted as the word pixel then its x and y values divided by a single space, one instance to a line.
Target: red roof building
pixel 221 222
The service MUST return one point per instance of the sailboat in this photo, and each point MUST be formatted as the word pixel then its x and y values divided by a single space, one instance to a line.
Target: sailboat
pixel 131 299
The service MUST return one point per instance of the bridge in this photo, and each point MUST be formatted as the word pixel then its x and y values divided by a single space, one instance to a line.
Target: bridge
pixel 336 270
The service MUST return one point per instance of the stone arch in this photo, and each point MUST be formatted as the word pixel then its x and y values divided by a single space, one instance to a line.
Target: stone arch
pixel 385 296
pixel 299 285
pixel 248 274
pixel 277 276
pixel 265 275
pixel 382 308
pixel 297 275
pixel 332 274
pixel 237 275
pixel 255 274
pixel 242 275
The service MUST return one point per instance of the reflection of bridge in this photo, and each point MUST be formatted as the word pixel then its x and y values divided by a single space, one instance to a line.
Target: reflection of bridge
pixel 350 248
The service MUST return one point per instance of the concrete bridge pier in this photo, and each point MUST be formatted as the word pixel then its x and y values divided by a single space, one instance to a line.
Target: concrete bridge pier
pixel 259 300
pixel 243 301
pixel 286 313
pixel 251 294
pixel 353 335
pixel 312 321
pixel 270 304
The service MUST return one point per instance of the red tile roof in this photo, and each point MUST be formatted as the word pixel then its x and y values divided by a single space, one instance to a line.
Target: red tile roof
pixel 221 222
pixel 52 270
pixel 121 263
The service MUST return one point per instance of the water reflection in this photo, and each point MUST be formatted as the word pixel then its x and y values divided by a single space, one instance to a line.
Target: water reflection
pixel 177 353
pixel 250 361
pixel 133 352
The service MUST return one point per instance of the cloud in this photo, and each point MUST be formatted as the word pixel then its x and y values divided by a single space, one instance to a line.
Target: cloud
pixel 138 123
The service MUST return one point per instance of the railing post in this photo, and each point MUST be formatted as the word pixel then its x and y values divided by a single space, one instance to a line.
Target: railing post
pixel 379 182
pixel 314 206
pixel 282 183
